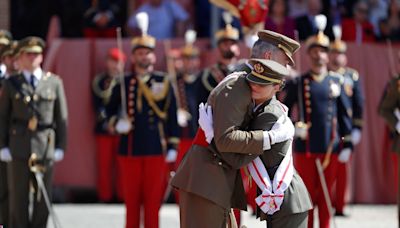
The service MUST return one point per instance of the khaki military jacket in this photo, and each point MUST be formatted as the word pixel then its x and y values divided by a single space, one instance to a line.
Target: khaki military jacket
pixel 213 172
pixel 296 199
pixel 16 112
pixel 389 103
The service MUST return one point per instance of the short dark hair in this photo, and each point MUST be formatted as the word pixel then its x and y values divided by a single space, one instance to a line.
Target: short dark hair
pixel 260 47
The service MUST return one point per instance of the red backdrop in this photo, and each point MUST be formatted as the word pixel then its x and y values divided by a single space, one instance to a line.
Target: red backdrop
pixel 77 61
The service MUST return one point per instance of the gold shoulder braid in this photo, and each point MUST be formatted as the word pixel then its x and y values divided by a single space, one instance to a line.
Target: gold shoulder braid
pixel 106 93
pixel 151 98
pixel 204 80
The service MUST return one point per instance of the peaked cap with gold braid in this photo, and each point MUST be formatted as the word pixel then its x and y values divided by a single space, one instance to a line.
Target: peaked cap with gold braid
pixel 266 72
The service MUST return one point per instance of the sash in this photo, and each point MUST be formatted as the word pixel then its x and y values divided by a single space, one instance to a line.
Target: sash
pixel 271 199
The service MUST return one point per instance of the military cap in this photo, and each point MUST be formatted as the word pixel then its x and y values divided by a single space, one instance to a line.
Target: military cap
pixel 266 72
pixel 338 45
pixel 286 44
pixel 5 37
pixel 30 44
pixel 145 40
pixel 320 39
pixel 229 32
pixel 9 50
pixel 189 50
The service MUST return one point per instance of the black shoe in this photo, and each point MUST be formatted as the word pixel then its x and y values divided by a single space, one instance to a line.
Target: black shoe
pixel 340 214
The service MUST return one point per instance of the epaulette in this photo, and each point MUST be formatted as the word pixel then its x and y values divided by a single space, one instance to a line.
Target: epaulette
pixel 337 75
pixel 354 73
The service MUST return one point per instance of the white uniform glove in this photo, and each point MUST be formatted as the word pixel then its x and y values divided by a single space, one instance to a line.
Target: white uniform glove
pixel 5 154
pixel 171 156
pixel 355 136
pixel 398 127
pixel 344 155
pixel 206 121
pixel 58 155
pixel 123 126
pixel 183 117
pixel 282 130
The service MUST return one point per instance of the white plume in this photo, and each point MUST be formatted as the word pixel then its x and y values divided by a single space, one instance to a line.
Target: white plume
pixel 227 17
pixel 142 20
pixel 190 36
pixel 337 31
pixel 320 22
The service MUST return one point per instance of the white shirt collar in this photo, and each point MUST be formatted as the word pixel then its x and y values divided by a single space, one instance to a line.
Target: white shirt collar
pixel 37 73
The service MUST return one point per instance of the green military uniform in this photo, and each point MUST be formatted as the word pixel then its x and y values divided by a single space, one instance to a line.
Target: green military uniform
pixel 297 202
pixel 389 104
pixel 5 38
pixel 33 119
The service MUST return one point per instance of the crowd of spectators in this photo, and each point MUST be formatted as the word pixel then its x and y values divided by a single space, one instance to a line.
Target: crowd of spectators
pixel 362 20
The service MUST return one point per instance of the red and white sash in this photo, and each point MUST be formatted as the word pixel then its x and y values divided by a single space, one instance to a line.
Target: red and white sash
pixel 272 195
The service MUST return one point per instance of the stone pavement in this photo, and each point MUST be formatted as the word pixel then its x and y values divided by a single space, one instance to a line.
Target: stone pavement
pixel 107 216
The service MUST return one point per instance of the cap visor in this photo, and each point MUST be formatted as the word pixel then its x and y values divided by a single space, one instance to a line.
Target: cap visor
pixel 33 49
pixel 251 78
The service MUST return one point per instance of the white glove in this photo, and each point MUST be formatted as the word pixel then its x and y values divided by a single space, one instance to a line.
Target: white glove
pixel 355 136
pixel 301 130
pixel 5 154
pixel 183 117
pixel 171 156
pixel 282 130
pixel 123 126
pixel 398 127
pixel 344 155
pixel 58 155
pixel 206 121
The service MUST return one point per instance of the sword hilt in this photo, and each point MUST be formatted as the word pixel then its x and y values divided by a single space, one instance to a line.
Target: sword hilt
pixel 34 165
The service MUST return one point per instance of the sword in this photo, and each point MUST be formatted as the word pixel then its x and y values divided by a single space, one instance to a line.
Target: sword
pixel 38 170
pixel 325 191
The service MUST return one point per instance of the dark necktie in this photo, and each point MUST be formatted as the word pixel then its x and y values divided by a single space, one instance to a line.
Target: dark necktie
pixel 33 81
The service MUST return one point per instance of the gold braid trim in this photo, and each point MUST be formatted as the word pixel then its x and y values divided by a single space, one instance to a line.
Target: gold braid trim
pixel 204 79
pixel 106 93
pixel 144 89
pixel 163 94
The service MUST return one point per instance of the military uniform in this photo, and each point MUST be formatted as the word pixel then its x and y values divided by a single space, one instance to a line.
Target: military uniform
pixel 322 112
pixel 205 202
pixel 151 109
pixel 107 143
pixel 354 99
pixel 387 109
pixel 33 120
pixel 5 38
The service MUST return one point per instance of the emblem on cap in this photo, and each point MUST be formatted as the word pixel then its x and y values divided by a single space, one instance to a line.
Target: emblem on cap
pixel 258 68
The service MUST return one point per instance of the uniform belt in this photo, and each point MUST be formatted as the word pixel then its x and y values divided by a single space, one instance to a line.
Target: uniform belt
pixel 40 126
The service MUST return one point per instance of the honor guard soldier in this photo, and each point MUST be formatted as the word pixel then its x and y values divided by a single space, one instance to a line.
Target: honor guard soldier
pixel 33 127
pixel 5 39
pixel 228 47
pixel 389 109
pixel 187 94
pixel 354 98
pixel 7 57
pixel 106 141
pixel 149 130
pixel 319 97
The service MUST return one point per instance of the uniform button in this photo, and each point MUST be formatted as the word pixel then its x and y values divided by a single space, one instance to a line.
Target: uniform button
pixel 308 110
pixel 250 154
pixel 307 87
pixel 307 95
pixel 215 155
pixel 308 102
pixel 219 163
pixel 130 103
pixel 131 88
pixel 14 132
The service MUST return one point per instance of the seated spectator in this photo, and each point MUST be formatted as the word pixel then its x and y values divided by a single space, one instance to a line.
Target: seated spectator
pixel 358 29
pixel 167 19
pixel 102 17
pixel 377 10
pixel 277 19
pixel 306 24
pixel 393 20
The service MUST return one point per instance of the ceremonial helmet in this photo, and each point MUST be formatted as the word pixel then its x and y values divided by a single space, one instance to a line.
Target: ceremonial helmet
pixel 229 32
pixel 189 50
pixel 338 45
pixel 320 39
pixel 145 40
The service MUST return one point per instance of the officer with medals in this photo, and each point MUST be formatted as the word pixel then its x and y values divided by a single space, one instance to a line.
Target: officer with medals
pixel 33 127
pixel 354 98
pixel 106 141
pixel 228 47
pixel 149 130
pixel 5 40
pixel 323 131
pixel 389 109
pixel 187 82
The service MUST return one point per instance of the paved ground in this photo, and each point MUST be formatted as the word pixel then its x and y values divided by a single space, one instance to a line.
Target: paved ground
pixel 107 216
